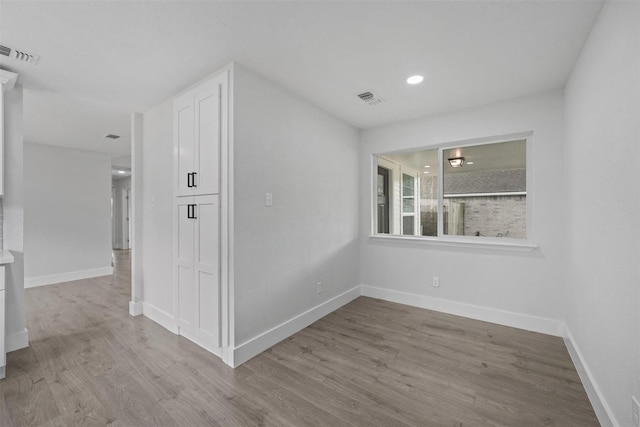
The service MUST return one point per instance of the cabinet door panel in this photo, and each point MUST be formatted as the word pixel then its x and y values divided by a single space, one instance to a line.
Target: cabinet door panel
pixel 185 143
pixel 185 274
pixel 208 122
pixel 208 267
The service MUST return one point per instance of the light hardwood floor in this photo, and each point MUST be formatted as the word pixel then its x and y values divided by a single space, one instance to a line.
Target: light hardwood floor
pixel 369 363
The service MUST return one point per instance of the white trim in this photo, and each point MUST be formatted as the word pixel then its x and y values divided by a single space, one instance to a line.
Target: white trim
pixel 262 342
pixel 512 193
pixel 493 243
pixel 8 79
pixel 159 316
pixel 17 340
pixel 136 206
pixel 603 411
pixel 227 224
pixel 486 314
pixel 33 282
pixel 135 308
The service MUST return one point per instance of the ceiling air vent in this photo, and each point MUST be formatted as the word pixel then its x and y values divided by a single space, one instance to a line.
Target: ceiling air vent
pixel 19 55
pixel 370 98
pixel 112 136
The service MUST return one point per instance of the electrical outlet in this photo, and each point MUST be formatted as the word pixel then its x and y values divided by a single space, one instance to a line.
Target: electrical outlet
pixel 635 411
pixel 268 199
pixel 319 287
pixel 436 282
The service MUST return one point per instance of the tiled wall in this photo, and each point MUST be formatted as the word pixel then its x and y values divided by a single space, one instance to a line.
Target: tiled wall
pixel 492 181
pixel 491 216
pixel 495 216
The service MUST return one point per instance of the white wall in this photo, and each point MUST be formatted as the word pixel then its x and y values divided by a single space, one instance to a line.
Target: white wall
pixel 475 282
pixel 157 210
pixel 67 215
pixel 308 160
pixel 13 230
pixel 602 205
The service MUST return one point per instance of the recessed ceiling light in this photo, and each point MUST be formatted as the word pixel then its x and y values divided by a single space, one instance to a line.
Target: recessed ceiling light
pixel 425 172
pixel 469 163
pixel 122 172
pixel 414 80
pixel 427 166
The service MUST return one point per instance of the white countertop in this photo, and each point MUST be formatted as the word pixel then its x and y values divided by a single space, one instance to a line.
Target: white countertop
pixel 5 257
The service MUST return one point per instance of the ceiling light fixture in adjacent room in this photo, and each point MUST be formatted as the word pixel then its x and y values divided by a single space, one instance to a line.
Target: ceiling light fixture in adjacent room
pixel 456 162
pixel 414 80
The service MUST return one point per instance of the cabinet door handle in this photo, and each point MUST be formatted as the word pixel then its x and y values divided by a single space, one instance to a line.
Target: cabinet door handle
pixel 191 212
pixel 193 179
pixel 189 180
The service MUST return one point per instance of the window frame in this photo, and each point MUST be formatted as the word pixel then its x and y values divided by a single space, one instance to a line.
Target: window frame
pixel 509 243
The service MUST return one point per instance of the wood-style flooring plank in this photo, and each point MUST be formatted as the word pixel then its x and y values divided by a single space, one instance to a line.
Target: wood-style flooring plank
pixel 370 363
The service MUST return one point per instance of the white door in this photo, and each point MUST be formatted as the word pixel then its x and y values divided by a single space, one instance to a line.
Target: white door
pixel 207 148
pixel 184 135
pixel 185 254
pixel 198 270
pixel 197 130
pixel 207 269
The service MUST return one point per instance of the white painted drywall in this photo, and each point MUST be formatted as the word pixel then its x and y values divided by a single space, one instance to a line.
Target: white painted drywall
pixel 307 160
pixel 67 215
pixel 157 207
pixel 527 283
pixel 13 230
pixel 602 204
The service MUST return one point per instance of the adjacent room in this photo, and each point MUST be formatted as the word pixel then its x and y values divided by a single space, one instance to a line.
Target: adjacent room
pixel 320 213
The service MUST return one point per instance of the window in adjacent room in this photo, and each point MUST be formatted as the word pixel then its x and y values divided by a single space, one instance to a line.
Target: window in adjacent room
pixel 476 190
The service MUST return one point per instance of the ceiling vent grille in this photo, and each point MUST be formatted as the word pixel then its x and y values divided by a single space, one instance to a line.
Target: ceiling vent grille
pixel 19 55
pixel 370 98
pixel 112 136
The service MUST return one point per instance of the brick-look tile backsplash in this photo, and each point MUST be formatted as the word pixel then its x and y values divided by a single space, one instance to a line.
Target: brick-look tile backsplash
pixel 495 216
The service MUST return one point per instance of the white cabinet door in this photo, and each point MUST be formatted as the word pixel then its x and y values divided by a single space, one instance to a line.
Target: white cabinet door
pixel 207 268
pixel 185 261
pixel 184 140
pixel 198 119
pixel 207 125
pixel 198 269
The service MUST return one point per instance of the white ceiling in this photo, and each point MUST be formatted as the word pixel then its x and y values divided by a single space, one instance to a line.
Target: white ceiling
pixel 102 60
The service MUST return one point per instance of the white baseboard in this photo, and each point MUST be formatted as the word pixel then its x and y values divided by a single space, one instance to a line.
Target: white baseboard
pixel 161 317
pixel 262 342
pixel 16 340
pixel 602 409
pixel 486 314
pixel 135 308
pixel 32 282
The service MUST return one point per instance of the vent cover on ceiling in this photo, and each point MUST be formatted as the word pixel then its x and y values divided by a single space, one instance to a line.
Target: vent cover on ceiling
pixel 19 55
pixel 370 98
pixel 112 136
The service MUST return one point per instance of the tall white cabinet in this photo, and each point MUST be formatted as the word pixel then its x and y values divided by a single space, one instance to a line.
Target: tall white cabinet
pixel 200 131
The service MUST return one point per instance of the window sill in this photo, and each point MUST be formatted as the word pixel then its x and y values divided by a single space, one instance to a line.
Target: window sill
pixel 497 244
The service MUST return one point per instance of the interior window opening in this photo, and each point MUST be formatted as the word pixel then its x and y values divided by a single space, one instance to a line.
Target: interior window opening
pixel 472 190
